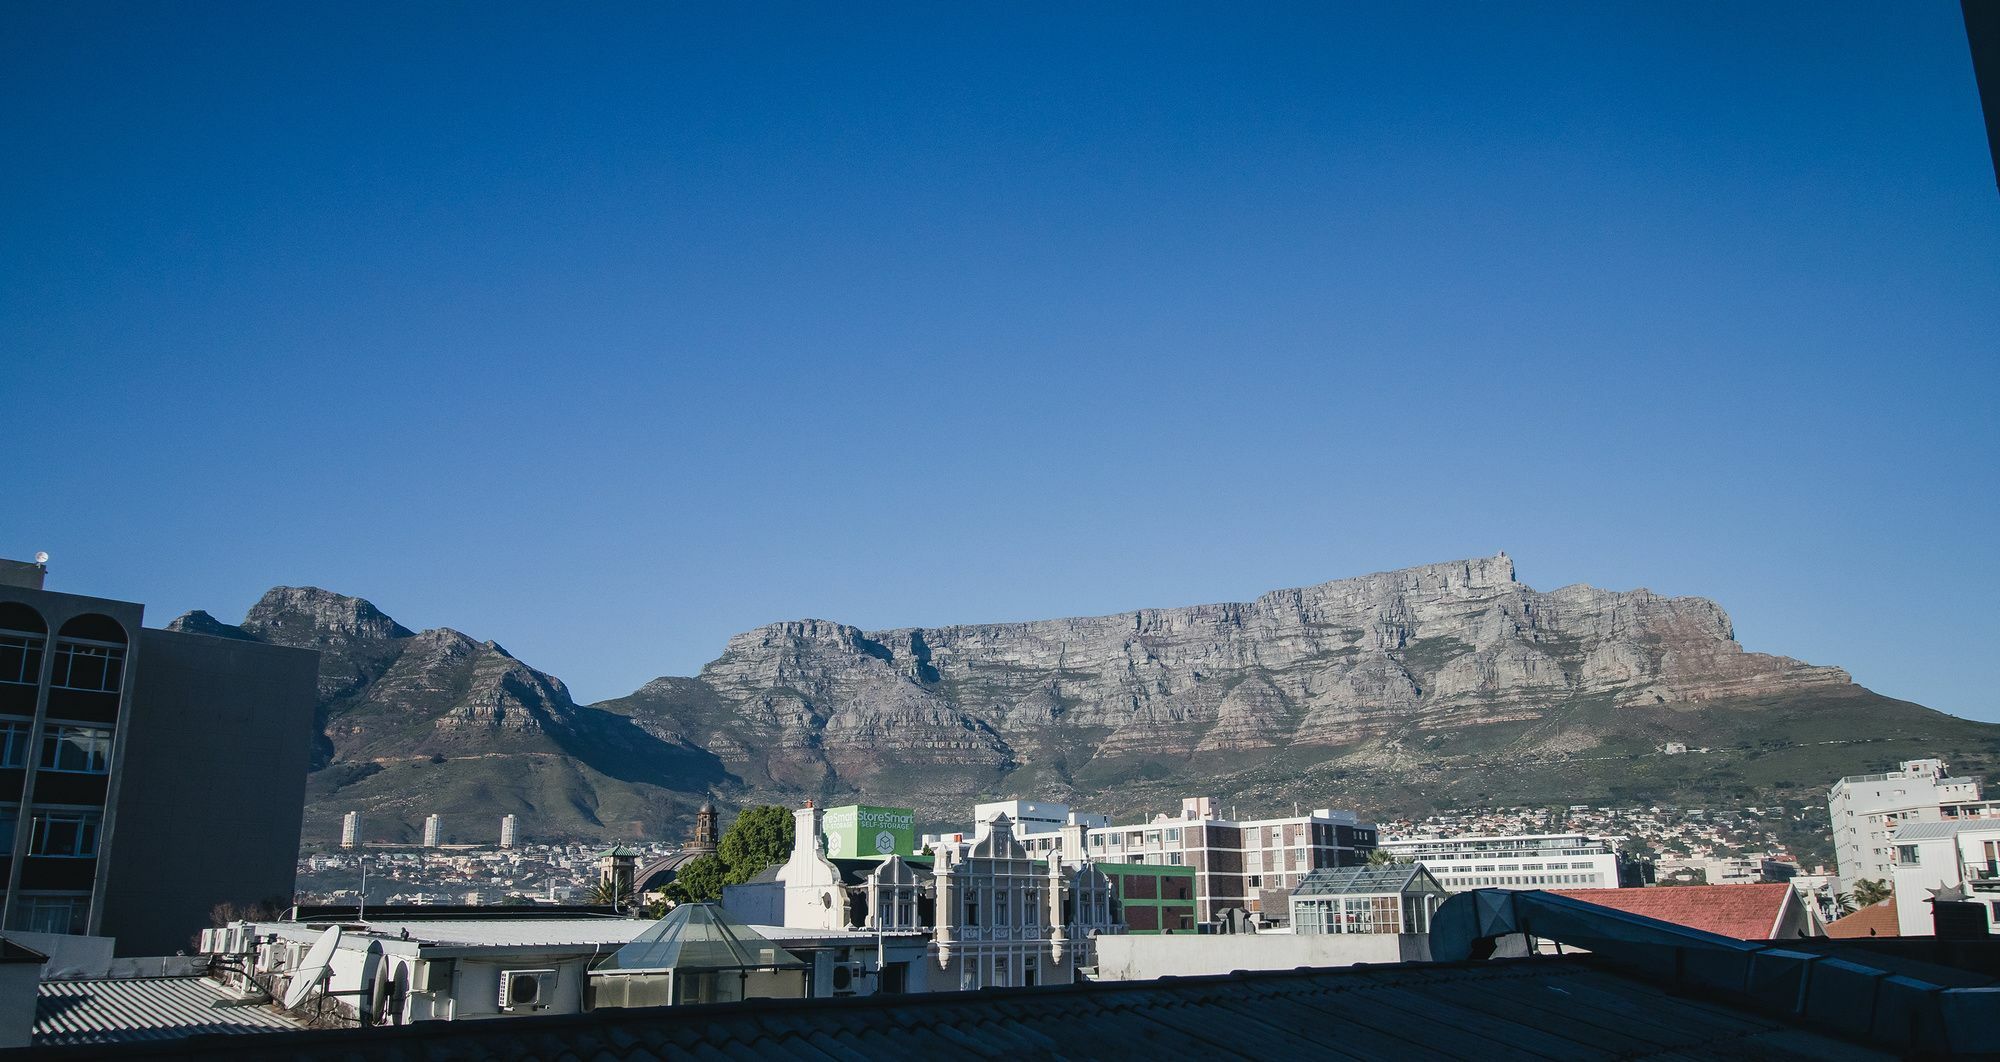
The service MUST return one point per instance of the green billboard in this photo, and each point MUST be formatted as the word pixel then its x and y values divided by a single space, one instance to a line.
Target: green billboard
pixel 858 831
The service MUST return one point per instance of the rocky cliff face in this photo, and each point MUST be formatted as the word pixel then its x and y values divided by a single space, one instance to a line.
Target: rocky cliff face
pixel 413 723
pixel 1366 670
pixel 1445 685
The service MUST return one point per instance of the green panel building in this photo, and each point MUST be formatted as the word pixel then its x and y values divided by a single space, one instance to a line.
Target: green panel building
pixel 859 831
pixel 1157 898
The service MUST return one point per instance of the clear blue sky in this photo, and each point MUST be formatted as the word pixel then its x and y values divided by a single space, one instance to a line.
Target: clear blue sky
pixel 610 332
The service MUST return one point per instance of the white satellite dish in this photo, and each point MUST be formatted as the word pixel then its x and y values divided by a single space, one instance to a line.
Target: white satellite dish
pixel 313 970
pixel 42 557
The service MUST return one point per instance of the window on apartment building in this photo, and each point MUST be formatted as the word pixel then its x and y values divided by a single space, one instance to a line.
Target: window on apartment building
pixel 1097 841
pixel 1000 905
pixel 1173 859
pixel 999 971
pixel 1031 908
pixel 1906 854
pixel 51 914
pixel 972 907
pixel 14 742
pixel 1173 833
pixel 1256 881
pixel 71 834
pixel 20 659
pixel 79 749
pixel 1152 837
pixel 9 819
pixel 88 667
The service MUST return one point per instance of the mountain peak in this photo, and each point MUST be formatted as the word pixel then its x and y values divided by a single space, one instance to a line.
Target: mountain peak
pixel 310 615
pixel 200 622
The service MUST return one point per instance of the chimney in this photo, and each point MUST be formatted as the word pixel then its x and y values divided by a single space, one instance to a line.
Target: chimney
pixel 805 832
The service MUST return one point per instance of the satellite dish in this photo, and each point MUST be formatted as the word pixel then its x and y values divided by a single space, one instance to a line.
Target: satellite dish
pixel 313 970
pixel 42 557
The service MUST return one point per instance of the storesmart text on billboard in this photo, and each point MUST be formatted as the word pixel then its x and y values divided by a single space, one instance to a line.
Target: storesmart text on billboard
pixel 858 831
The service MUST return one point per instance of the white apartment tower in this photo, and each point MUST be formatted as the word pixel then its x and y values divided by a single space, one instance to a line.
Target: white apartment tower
pixel 433 831
pixel 1866 809
pixel 350 829
pixel 508 831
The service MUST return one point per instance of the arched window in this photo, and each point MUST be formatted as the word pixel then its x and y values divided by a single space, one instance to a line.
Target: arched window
pixel 90 654
pixel 93 627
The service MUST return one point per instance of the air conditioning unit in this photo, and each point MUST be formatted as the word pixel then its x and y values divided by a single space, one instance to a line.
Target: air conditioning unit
pixel 526 990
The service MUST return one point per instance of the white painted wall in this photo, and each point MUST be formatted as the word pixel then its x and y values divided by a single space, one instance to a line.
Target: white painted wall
pixel 1142 958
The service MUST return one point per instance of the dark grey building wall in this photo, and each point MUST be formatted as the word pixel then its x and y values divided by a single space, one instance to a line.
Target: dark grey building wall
pixel 212 788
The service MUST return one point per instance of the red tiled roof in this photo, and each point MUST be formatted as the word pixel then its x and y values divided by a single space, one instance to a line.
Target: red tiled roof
pixel 1875 920
pixel 1746 912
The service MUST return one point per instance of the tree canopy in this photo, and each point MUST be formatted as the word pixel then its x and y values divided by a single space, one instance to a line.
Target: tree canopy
pixel 1868 893
pixel 698 880
pixel 760 837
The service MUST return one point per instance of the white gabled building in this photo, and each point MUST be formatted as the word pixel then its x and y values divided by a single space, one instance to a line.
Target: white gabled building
pixel 1929 856
pixel 987 911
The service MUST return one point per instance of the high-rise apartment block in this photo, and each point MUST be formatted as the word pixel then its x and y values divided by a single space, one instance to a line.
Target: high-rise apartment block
pixel 1866 809
pixel 509 826
pixel 146 776
pixel 350 829
pixel 433 831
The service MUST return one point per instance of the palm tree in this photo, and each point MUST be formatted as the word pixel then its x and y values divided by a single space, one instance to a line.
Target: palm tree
pixel 1868 893
pixel 1843 904
pixel 605 894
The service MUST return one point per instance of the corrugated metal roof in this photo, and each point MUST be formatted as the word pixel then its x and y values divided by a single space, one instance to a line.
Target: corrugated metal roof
pixel 525 932
pixel 1932 831
pixel 1566 1008
pixel 119 1010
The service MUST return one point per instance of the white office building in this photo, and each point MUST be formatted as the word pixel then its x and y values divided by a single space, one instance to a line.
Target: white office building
pixel 1526 861
pixel 1252 864
pixel 1867 809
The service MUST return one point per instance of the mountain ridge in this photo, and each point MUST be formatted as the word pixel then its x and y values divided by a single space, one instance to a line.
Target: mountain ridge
pixel 1394 691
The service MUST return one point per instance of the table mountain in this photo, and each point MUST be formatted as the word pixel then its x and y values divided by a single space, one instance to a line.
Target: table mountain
pixel 1443 685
